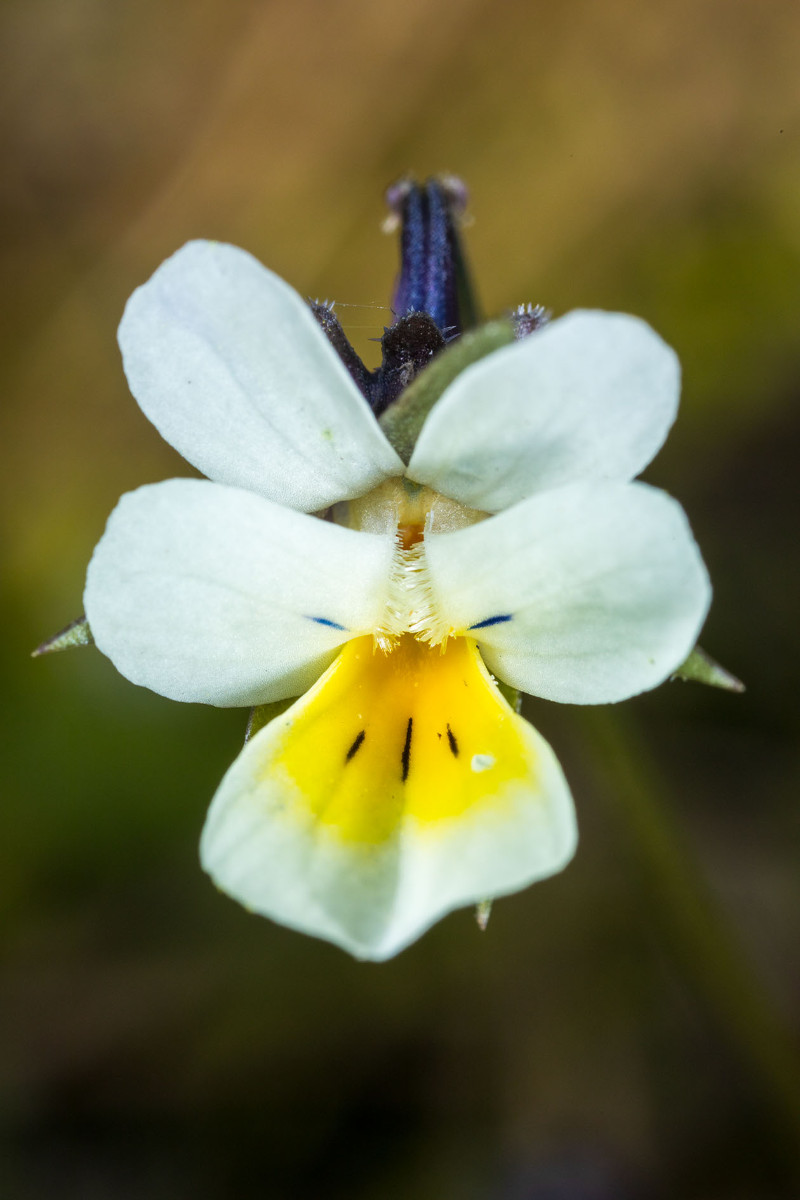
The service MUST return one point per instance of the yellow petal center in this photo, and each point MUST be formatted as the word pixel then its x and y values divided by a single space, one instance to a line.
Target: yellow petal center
pixel 414 733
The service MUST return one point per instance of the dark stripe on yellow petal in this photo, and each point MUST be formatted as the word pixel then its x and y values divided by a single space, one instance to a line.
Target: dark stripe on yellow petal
pixel 405 758
pixel 356 746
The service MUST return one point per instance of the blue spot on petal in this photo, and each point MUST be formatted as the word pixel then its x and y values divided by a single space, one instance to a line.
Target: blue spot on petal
pixel 498 620
pixel 330 624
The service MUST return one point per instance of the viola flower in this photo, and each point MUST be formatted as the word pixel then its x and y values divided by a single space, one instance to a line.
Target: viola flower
pixel 314 562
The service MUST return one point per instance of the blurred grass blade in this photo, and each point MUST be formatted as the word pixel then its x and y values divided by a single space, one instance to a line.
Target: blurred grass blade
pixel 691 920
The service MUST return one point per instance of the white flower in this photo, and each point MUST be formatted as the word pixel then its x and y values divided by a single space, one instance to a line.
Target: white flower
pixel 401 785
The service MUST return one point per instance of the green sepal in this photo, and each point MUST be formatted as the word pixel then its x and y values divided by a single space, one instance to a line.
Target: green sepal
pixel 483 911
pixel 77 633
pixel 511 695
pixel 262 714
pixel 404 419
pixel 702 668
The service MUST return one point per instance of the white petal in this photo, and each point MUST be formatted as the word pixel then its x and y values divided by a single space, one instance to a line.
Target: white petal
pixel 587 594
pixel 204 592
pixel 230 366
pixel 591 396
pixel 336 822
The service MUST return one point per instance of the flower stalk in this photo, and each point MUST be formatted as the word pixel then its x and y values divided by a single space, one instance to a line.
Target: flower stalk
pixel 691 919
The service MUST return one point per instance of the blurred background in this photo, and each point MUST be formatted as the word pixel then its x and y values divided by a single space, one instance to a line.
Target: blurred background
pixel 627 1030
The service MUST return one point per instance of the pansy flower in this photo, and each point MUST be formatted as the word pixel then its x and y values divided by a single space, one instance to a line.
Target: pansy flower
pixel 376 602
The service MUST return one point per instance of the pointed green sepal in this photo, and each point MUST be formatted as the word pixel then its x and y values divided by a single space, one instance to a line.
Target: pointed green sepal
pixel 511 695
pixel 77 633
pixel 483 911
pixel 702 668
pixel 404 418
pixel 262 714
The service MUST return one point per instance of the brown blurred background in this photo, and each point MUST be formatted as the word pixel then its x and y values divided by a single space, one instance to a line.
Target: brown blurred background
pixel 627 1030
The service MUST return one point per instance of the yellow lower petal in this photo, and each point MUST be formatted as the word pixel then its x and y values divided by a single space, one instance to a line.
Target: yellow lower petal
pixel 400 787
pixel 419 733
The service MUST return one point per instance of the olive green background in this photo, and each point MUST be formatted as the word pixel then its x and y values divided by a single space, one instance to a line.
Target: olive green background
pixel 626 1030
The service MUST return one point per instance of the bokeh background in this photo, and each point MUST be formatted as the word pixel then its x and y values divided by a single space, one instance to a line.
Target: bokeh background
pixel 627 1030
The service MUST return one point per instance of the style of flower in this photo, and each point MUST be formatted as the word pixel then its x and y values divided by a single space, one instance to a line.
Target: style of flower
pixel 514 544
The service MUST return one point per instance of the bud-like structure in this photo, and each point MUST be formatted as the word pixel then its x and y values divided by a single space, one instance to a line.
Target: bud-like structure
pixel 433 300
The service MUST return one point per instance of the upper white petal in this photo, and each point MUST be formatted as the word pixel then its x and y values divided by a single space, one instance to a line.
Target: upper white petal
pixel 229 364
pixel 587 594
pixel 208 593
pixel 590 396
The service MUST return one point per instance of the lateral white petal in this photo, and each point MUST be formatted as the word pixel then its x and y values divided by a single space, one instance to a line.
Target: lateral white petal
pixel 589 397
pixel 207 593
pixel 588 594
pixel 229 364
pixel 289 830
